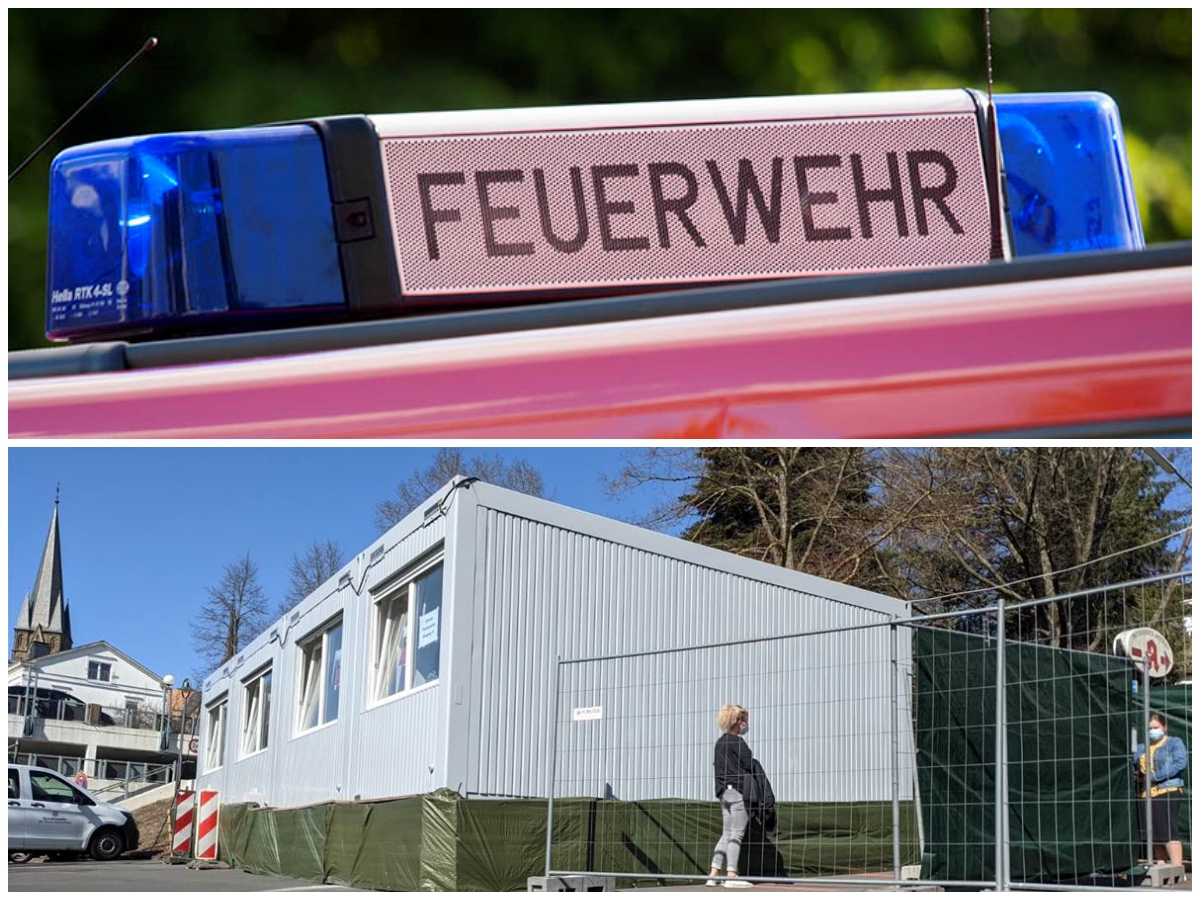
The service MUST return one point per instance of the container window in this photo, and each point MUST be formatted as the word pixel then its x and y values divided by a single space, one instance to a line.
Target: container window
pixel 408 618
pixel 214 756
pixel 256 718
pixel 391 645
pixel 428 601
pixel 320 678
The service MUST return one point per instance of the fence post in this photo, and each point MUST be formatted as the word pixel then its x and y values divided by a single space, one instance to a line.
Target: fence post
pixel 553 762
pixel 895 754
pixel 1001 776
pixel 1148 780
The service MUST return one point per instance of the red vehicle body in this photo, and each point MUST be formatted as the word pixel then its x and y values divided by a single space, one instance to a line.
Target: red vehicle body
pixel 1092 346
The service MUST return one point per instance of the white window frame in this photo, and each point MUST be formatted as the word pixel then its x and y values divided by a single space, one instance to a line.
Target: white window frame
pixel 101 667
pixel 217 714
pixel 383 649
pixel 310 680
pixel 256 715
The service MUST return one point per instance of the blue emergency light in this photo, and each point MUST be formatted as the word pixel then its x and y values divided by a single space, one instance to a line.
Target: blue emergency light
pixel 1067 173
pixel 354 216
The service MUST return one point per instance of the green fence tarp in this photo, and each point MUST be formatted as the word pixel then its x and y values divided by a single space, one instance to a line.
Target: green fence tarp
pixel 375 845
pixel 442 841
pixel 677 837
pixel 1071 796
pixel 249 837
pixel 348 831
pixel 501 843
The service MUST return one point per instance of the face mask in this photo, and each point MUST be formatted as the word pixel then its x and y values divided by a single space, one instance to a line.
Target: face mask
pixel 1155 734
pixel 745 727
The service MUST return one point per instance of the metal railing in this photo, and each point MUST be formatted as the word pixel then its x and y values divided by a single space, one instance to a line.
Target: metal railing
pixel 138 778
pixel 125 778
pixel 95 715
pixel 64 765
pixel 991 746
pixel 60 710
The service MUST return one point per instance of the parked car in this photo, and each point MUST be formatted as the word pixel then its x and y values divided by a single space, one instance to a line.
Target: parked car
pixel 46 813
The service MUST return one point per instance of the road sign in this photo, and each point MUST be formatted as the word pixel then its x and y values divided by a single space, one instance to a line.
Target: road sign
pixel 1147 649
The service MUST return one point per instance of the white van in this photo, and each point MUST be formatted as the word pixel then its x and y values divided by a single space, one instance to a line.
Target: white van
pixel 48 813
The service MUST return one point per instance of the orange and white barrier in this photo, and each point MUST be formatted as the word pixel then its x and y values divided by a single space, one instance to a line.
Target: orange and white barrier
pixel 206 835
pixel 185 808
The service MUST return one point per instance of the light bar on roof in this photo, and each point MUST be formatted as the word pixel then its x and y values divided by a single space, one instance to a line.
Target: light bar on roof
pixel 355 216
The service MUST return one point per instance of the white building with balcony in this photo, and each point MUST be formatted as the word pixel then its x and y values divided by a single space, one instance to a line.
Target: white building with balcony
pixel 91 702
pixel 89 707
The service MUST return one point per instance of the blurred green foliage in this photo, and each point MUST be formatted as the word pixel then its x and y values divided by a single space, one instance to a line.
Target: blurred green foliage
pixel 218 69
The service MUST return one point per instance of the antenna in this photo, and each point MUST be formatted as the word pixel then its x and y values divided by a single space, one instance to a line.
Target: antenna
pixel 987 36
pixel 993 150
pixel 150 44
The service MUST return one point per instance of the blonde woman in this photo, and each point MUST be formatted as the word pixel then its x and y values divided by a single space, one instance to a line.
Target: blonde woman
pixel 732 761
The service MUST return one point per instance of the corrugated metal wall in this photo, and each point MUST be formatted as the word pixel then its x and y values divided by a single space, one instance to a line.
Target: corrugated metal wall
pixel 583 588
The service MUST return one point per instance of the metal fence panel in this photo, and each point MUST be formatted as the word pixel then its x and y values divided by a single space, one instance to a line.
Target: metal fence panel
pixel 1076 709
pixel 830 722
pixel 1022 772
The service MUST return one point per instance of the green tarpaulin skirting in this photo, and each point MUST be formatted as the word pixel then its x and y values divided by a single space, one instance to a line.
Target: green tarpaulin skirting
pixel 1071 792
pixel 442 841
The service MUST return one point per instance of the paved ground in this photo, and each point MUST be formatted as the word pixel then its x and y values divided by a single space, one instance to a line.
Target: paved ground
pixel 84 876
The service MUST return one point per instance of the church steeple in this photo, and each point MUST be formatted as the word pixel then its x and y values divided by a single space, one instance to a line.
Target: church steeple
pixel 44 623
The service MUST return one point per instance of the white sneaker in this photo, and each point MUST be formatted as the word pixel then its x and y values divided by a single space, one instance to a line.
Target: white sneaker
pixel 734 883
pixel 710 883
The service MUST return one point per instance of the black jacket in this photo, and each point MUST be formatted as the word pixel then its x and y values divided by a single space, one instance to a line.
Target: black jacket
pixel 732 762
pixel 759 797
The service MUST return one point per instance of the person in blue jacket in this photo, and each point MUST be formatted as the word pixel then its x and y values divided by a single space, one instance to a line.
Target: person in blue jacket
pixel 1168 761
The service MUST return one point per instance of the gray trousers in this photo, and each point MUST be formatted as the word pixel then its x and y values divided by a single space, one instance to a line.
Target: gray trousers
pixel 734 820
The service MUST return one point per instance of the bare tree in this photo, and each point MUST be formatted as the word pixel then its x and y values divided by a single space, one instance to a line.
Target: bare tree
pixel 807 508
pixel 669 472
pixel 309 571
pixel 236 611
pixel 957 525
pixel 1032 523
pixel 519 475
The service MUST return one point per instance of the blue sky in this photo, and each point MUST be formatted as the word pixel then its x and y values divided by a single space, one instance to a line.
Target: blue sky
pixel 145 530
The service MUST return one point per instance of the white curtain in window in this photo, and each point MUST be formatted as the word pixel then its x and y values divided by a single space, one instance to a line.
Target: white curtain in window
pixel 385 649
pixel 333 674
pixel 393 640
pixel 400 667
pixel 309 690
pixel 250 724
pixel 216 737
pixel 265 711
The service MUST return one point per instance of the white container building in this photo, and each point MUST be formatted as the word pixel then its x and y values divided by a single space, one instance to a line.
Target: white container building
pixel 430 661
